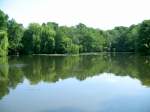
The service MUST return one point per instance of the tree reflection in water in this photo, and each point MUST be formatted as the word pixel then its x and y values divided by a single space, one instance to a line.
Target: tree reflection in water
pixel 14 70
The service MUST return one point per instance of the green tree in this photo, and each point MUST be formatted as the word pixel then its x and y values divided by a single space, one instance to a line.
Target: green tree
pixel 118 39
pixel 64 42
pixel 3 43
pixel 47 39
pixel 31 40
pixel 3 34
pixel 3 20
pixel 90 39
pixel 144 37
pixel 132 36
pixel 15 34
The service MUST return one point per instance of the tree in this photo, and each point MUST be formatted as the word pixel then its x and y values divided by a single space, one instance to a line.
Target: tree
pixel 119 39
pixel 47 39
pixel 15 34
pixel 90 39
pixel 3 34
pixel 3 20
pixel 3 43
pixel 51 38
pixel 64 42
pixel 132 36
pixel 31 40
pixel 144 37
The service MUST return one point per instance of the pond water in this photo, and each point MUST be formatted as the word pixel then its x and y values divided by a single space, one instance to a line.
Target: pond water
pixel 84 83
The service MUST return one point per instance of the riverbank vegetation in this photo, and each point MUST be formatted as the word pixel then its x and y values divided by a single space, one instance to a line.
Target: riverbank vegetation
pixel 50 38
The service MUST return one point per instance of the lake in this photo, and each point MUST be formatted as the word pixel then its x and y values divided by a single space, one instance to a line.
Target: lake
pixel 103 82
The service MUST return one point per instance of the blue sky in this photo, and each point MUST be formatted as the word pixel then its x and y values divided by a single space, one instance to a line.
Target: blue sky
pixel 104 14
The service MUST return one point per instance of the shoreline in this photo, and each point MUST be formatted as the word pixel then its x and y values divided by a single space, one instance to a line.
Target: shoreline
pixel 80 54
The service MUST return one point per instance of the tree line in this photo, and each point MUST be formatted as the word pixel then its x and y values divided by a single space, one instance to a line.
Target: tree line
pixel 50 38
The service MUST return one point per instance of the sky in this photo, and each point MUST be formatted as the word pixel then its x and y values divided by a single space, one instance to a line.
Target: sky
pixel 103 14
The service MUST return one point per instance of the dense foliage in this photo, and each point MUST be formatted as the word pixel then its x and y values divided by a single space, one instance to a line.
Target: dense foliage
pixel 50 38
pixel 3 34
pixel 3 43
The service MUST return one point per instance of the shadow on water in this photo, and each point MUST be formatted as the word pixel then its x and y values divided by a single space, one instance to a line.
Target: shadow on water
pixel 14 70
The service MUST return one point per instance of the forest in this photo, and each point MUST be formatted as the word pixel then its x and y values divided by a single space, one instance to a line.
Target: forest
pixel 50 38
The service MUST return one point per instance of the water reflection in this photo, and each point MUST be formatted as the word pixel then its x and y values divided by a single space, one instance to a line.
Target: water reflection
pixel 53 68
